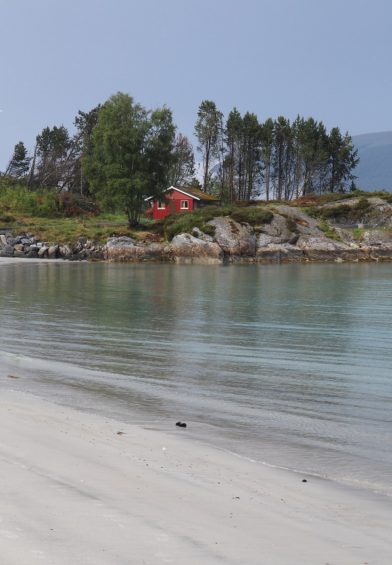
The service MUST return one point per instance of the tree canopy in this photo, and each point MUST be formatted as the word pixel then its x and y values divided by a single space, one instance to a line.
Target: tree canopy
pixel 131 154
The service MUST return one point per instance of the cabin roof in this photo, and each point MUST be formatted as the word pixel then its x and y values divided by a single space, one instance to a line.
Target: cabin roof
pixel 195 193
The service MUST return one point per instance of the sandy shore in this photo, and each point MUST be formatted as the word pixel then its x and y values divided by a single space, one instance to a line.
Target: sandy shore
pixel 75 490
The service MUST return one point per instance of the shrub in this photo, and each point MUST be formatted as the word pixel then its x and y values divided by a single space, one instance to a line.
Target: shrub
pixel 362 205
pixel 292 225
pixel 328 230
pixel 185 223
pixel 342 210
pixel 253 215
pixel 19 200
pixel 72 205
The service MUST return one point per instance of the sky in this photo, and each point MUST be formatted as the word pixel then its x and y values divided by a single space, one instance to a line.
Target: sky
pixel 329 59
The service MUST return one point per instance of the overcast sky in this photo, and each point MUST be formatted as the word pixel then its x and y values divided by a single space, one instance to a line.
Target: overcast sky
pixel 330 59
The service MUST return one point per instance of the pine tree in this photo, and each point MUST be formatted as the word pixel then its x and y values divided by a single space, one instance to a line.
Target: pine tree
pixel 19 164
pixel 208 130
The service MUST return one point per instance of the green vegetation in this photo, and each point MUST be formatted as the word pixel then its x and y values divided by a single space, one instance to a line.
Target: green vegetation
pixel 328 230
pixel 69 230
pixel 253 215
pixel 130 155
pixel 18 199
pixel 358 233
pixel 292 225
pixel 184 223
pixel 122 153
pixel 337 212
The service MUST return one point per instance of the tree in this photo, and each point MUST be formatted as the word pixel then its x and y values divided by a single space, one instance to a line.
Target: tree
pixel 182 170
pixel 251 156
pixel 19 164
pixel 208 130
pixel 81 143
pixel 51 156
pixel 267 141
pixel 131 154
pixel 343 158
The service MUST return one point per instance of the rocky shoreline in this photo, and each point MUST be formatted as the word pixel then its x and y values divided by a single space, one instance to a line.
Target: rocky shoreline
pixel 292 236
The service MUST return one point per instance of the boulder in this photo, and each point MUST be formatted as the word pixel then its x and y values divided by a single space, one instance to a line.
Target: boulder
pixel 65 251
pixel 53 251
pixel 43 251
pixel 277 230
pixel 196 232
pixel 32 252
pixel 7 251
pixel 377 237
pixel 235 239
pixel 186 245
pixel 279 253
pixel 127 249
pixel 325 249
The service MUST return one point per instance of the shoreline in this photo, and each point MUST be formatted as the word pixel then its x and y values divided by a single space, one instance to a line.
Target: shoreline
pixel 77 490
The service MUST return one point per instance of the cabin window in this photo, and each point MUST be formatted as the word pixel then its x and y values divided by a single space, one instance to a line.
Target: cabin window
pixel 184 205
pixel 161 205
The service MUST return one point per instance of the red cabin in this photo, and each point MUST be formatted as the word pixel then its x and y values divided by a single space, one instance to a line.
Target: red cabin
pixel 177 200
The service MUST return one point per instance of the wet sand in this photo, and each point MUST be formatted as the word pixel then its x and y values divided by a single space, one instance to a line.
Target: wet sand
pixel 84 489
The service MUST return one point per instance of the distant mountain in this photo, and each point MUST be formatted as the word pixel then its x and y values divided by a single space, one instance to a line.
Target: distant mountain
pixel 374 170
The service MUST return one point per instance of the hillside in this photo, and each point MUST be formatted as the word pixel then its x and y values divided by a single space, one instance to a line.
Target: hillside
pixel 374 171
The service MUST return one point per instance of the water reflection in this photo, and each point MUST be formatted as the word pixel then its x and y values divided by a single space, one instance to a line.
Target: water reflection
pixel 259 358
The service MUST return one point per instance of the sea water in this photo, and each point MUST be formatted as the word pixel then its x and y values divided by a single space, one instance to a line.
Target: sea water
pixel 290 365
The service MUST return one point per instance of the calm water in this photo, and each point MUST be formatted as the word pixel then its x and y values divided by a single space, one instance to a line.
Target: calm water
pixel 290 365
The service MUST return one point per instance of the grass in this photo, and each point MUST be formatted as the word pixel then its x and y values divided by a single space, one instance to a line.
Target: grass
pixel 69 230
pixel 358 234
pixel 328 230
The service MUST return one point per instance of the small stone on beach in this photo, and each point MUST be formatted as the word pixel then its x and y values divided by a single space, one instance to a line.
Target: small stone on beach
pixel 181 424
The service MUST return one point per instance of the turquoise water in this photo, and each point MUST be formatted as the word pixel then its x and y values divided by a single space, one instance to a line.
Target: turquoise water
pixel 290 365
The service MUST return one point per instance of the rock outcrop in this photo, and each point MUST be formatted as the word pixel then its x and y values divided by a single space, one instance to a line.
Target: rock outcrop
pixel 186 246
pixel 233 238
pixel 291 236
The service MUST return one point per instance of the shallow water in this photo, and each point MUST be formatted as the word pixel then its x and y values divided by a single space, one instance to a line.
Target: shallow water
pixel 290 365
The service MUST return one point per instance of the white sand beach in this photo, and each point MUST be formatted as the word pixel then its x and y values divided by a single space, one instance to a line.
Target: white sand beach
pixel 84 489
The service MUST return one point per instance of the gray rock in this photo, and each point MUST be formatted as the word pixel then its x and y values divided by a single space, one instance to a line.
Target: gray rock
pixel 53 251
pixel 279 253
pixel 126 249
pixel 123 241
pixel 43 251
pixel 32 253
pixel 186 245
pixel 7 251
pixel 277 229
pixel 65 251
pixel 325 249
pixel 196 232
pixel 377 237
pixel 234 238
pixel 264 239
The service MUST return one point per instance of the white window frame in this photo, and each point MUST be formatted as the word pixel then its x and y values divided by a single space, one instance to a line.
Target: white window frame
pixel 184 205
pixel 161 205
